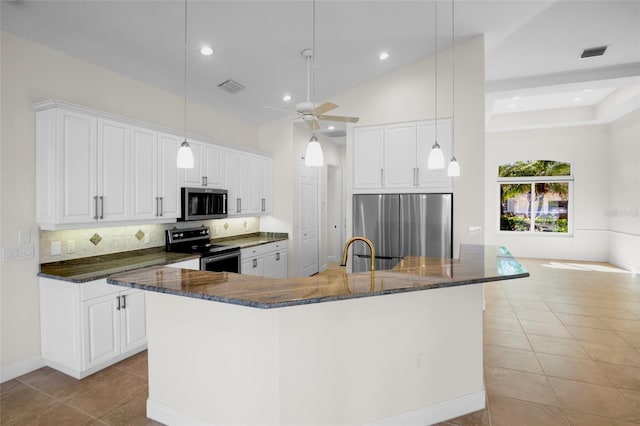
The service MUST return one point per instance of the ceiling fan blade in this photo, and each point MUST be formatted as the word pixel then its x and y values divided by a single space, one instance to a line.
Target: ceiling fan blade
pixel 313 124
pixel 281 110
pixel 339 118
pixel 325 107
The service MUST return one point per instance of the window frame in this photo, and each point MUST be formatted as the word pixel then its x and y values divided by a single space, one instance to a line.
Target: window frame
pixel 532 180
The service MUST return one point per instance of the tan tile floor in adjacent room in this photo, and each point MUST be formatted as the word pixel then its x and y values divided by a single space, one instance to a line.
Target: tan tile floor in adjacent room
pixel 561 347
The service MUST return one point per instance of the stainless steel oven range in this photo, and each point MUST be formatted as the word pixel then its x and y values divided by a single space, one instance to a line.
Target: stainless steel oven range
pixel 213 257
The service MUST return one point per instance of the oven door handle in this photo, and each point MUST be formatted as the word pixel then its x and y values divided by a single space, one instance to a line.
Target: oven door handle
pixel 218 257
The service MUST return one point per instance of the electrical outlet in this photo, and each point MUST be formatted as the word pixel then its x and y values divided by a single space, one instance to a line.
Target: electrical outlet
pixel 71 246
pixel 475 230
pixel 25 251
pixel 56 248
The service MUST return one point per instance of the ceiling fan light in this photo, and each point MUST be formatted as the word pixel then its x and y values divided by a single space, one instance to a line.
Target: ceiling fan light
pixel 185 156
pixel 313 156
pixel 436 158
pixel 453 169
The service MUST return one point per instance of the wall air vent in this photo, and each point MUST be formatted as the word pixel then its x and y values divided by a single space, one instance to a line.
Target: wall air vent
pixel 231 86
pixel 593 51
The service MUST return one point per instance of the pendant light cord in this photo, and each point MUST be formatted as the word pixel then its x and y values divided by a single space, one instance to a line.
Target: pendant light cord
pixel 313 64
pixel 435 3
pixel 453 79
pixel 185 70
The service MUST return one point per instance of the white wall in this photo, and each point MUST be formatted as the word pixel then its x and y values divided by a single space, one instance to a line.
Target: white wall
pixel 623 207
pixel 408 95
pixel 586 149
pixel 31 73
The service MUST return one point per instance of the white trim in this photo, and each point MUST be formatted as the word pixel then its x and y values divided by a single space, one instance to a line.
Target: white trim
pixel 436 413
pixel 20 368
pixel 423 416
pixel 170 416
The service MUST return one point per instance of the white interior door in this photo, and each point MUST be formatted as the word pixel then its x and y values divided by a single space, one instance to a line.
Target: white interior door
pixel 309 222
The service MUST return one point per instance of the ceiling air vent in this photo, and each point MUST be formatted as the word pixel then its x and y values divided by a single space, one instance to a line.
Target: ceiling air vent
pixel 231 86
pixel 593 51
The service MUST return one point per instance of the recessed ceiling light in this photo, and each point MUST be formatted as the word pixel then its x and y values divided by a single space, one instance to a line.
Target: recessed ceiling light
pixel 383 56
pixel 587 90
pixel 515 98
pixel 331 127
pixel 206 51
pixel 577 99
pixel 512 105
pixel 286 98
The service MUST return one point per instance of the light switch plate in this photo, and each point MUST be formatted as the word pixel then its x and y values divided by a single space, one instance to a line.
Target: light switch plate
pixel 475 230
pixel 71 246
pixel 24 236
pixel 56 248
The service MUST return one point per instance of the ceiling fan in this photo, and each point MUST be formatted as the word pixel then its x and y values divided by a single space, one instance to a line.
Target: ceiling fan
pixel 308 110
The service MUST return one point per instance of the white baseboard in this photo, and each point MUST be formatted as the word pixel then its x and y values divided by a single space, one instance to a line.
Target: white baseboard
pixel 424 416
pixel 169 416
pixel 20 368
pixel 436 413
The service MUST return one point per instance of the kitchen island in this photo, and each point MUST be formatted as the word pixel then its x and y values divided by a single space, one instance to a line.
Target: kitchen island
pixel 385 347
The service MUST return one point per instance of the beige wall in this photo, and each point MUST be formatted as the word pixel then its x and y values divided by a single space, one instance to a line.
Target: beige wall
pixel 623 207
pixel 586 149
pixel 408 95
pixel 33 73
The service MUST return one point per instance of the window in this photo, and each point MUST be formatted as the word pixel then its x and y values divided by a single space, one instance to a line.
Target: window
pixel 534 196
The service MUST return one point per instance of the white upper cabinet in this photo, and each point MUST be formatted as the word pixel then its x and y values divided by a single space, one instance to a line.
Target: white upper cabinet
pixel 113 170
pixel 206 171
pixel 144 173
pixel 393 158
pixel 168 184
pixel 248 181
pixel 368 154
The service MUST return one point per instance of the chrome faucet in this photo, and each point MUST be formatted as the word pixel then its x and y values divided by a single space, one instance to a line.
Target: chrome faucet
pixel 367 242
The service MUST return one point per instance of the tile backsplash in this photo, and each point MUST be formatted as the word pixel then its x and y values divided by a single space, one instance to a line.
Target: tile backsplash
pixel 112 239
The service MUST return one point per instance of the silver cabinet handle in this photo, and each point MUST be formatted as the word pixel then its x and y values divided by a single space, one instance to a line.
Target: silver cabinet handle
pixel 414 177
pixel 255 263
pixel 157 206
pixel 95 202
pixel 417 176
pixel 204 181
pixel 161 205
pixel 238 205
pixel 381 177
pixel 118 308
pixel 102 207
pixel 124 302
pixel 264 203
pixel 277 256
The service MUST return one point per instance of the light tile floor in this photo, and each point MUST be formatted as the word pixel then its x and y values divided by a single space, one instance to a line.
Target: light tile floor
pixel 561 347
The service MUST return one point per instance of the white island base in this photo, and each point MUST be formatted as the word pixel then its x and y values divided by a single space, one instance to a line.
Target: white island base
pixel 411 358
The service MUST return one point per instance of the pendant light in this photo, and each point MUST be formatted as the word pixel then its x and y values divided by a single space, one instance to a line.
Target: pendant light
pixel 313 156
pixel 185 155
pixel 454 168
pixel 436 157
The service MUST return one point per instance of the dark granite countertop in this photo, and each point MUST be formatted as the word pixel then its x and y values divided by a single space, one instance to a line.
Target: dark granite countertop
pixel 98 267
pixel 477 264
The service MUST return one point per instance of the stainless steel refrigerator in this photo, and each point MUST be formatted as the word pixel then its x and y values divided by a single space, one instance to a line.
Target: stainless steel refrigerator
pixel 401 225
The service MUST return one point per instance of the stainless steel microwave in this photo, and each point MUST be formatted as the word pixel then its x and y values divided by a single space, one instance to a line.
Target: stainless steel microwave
pixel 203 204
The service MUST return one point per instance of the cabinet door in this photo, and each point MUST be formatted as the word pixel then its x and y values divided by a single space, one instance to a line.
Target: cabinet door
pixel 230 180
pixel 168 185
pixel 244 180
pixel 368 155
pixel 275 264
pixel 255 194
pixel 193 177
pixel 77 159
pixel 212 166
pixel 134 326
pixel 253 266
pixel 113 170
pixel 400 156
pixel 267 181
pixel 101 330
pixel 427 178
pixel 144 173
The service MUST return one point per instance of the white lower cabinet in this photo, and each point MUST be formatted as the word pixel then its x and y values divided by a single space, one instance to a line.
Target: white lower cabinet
pixel 265 260
pixel 86 327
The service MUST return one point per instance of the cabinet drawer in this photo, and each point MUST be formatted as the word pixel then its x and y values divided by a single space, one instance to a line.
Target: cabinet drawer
pixel 263 249
pixel 98 288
